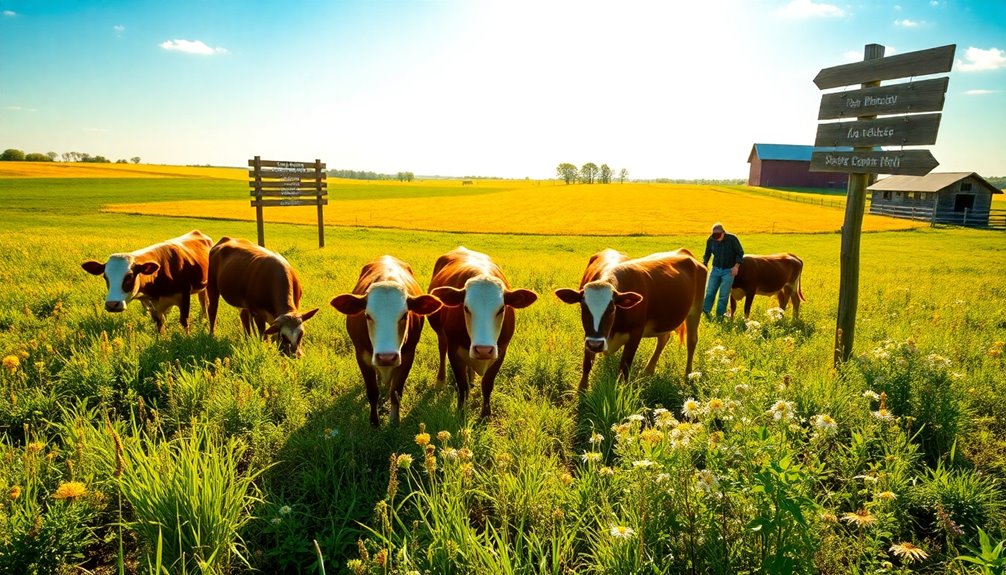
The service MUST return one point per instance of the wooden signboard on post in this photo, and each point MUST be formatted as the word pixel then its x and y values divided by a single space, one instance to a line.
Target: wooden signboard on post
pixel 867 134
pixel 291 184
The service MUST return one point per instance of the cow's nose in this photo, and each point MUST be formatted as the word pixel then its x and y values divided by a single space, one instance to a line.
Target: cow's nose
pixel 388 359
pixel 115 306
pixel 483 352
pixel 594 345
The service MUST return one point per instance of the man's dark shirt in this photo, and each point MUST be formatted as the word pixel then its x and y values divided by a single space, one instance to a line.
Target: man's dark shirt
pixel 727 252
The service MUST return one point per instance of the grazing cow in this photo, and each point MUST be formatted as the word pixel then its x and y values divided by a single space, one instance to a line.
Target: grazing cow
pixel 622 301
pixel 385 320
pixel 777 274
pixel 264 286
pixel 476 324
pixel 159 276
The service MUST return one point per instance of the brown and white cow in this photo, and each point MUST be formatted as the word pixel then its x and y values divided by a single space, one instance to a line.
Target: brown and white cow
pixel 477 323
pixel 385 321
pixel 622 301
pixel 264 286
pixel 159 276
pixel 777 274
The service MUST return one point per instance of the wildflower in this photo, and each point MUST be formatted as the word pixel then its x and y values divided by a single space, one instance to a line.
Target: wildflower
pixel 824 423
pixel 715 406
pixel 464 453
pixel 752 325
pixel 356 566
pixel 444 436
pixel 596 438
pixel 690 408
pixel 867 478
pixel 622 532
pixel 870 394
pixel 467 469
pixel 861 518
pixel 606 471
pixel 566 479
pixel 741 388
pixel 665 419
pixel 993 352
pixel 886 496
pixel 422 439
pixel 431 464
pixel 11 363
pixel 275 521
pixel 285 510
pixel 829 517
pixel 642 463
pixel 782 410
pixel 381 558
pixel 662 477
pixel 635 417
pixel 70 490
pixel 14 492
pixel 694 375
pixel 620 429
pixel 884 415
pixel 774 313
pixel 450 453
pixel 908 552
pixel 715 438
pixel 651 435
pixel 590 456
pixel 404 461
pixel 706 479
pixel 936 360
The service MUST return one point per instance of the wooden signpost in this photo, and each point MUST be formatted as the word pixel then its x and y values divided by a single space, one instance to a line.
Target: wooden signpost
pixel 290 184
pixel 866 134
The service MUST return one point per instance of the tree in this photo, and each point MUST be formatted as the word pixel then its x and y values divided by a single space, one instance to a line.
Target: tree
pixel 623 175
pixel 52 156
pixel 588 172
pixel 566 172
pixel 36 157
pixel 135 159
pixel 605 176
pixel 12 155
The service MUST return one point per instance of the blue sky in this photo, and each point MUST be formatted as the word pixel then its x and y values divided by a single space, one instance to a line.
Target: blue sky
pixel 473 87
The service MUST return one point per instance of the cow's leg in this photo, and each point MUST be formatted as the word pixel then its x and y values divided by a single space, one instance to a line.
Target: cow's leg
pixel 184 304
pixel 733 306
pixel 588 363
pixel 373 391
pixel 629 354
pixel 398 385
pixel 246 321
pixel 204 299
pixel 489 382
pixel 662 340
pixel 747 305
pixel 260 325
pixel 442 349
pixel 213 302
pixel 460 369
pixel 796 301
pixel 784 295
pixel 692 334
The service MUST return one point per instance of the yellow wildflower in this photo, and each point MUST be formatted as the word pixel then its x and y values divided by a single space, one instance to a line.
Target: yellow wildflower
pixel 70 490
pixel 444 436
pixel 14 492
pixel 887 496
pixel 651 435
pixel 11 363
pixel 404 461
pixel 422 439
pixel 861 518
pixel 35 447
pixel 909 553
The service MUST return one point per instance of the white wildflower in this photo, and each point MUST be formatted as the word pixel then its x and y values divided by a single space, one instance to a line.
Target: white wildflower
pixel 691 408
pixel 782 410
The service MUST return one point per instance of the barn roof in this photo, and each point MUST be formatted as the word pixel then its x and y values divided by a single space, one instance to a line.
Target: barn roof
pixel 788 152
pixel 933 182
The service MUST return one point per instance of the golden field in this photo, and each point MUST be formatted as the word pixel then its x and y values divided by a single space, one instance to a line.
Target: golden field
pixel 89 170
pixel 531 207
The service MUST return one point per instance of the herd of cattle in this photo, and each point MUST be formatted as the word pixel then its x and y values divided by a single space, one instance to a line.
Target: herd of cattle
pixel 470 304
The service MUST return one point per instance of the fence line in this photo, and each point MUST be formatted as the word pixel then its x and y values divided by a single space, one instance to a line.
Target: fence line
pixel 996 218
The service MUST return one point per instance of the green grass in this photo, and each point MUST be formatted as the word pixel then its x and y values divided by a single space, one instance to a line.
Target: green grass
pixel 528 503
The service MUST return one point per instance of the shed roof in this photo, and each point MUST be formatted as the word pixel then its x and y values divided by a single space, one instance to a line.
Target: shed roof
pixel 932 182
pixel 787 152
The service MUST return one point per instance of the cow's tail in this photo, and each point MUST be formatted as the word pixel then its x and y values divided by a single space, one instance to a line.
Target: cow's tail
pixel 799 278
pixel 682 330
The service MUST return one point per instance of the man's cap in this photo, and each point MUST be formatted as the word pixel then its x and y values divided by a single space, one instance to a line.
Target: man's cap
pixel 717 227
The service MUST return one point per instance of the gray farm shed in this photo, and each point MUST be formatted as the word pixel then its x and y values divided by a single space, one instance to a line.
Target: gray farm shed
pixel 957 198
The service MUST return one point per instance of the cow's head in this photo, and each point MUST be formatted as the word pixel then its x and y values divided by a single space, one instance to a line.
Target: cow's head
pixel 598 300
pixel 122 275
pixel 387 306
pixel 485 299
pixel 289 329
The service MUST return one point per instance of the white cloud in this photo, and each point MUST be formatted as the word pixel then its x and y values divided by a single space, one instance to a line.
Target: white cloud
pixel 979 92
pixel 897 7
pixel 9 13
pixel 977 60
pixel 119 28
pixel 191 47
pixel 934 3
pixel 811 9
pixel 906 23
pixel 21 109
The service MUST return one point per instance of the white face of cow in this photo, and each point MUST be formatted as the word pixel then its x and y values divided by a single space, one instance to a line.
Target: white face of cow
pixel 484 307
pixel 290 328
pixel 387 322
pixel 597 300
pixel 121 274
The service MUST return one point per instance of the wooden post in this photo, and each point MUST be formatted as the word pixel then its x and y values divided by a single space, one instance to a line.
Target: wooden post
pixel 259 218
pixel 848 287
pixel 321 213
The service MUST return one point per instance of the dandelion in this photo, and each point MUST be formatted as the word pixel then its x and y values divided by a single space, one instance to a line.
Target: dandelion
pixel 861 518
pixel 775 313
pixel 596 438
pixel 908 552
pixel 706 479
pixel 872 395
pixel 444 436
pixel 824 423
pixel 622 532
pixel 691 408
pixel 14 492
pixel 35 447
pixel 285 510
pixel 886 496
pixel 716 406
pixel 651 435
pixel 782 410
pixel 590 457
pixel 404 461
pixel 70 490
pixel 422 439
pixel 11 363
pixel 695 375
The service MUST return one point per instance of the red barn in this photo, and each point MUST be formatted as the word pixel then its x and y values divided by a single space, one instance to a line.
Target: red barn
pixel 788 166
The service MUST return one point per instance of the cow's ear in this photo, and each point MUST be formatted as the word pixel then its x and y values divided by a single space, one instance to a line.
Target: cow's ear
pixel 451 297
pixel 272 329
pixel 519 298
pixel 570 296
pixel 146 268
pixel 94 268
pixel 627 299
pixel 424 304
pixel 306 316
pixel 350 304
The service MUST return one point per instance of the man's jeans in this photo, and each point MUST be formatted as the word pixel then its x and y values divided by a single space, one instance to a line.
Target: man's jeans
pixel 719 280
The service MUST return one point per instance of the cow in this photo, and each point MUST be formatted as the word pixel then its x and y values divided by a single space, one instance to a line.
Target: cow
pixel 622 301
pixel 477 322
pixel 777 274
pixel 384 319
pixel 264 286
pixel 159 276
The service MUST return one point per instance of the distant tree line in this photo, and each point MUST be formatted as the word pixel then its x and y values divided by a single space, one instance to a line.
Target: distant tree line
pixel 589 173
pixel 365 175
pixel 702 181
pixel 15 155
pixel 997 181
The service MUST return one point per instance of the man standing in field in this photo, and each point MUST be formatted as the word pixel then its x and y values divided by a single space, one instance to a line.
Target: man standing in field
pixel 727 253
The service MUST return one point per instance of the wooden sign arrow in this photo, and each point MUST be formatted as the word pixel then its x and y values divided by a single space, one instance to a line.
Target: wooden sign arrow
pixel 900 162
pixel 914 130
pixel 924 96
pixel 921 63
